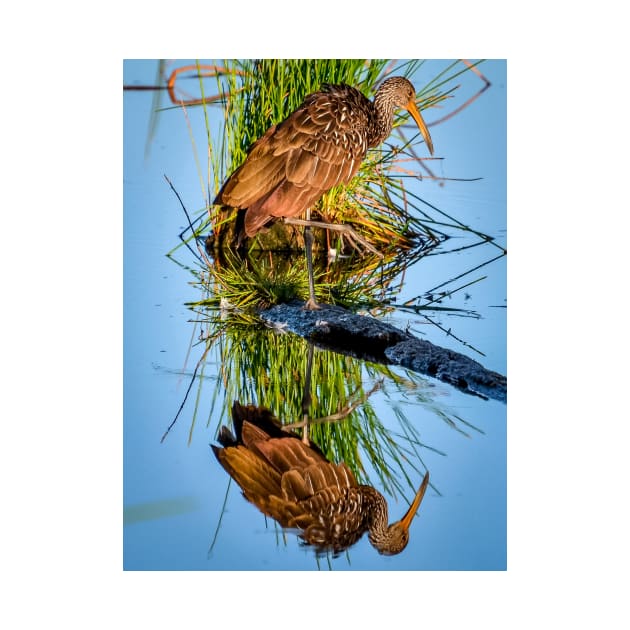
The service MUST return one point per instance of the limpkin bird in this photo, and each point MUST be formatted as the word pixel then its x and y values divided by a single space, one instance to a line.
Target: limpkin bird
pixel 294 483
pixel 320 145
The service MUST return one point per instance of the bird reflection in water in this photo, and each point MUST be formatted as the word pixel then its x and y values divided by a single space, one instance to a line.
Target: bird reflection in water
pixel 290 480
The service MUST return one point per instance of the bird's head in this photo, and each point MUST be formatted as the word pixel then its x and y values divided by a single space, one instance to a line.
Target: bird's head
pixel 397 535
pixel 403 95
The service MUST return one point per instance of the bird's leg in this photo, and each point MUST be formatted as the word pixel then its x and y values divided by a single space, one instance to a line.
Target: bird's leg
pixel 311 304
pixel 338 227
pixel 306 396
pixel 305 430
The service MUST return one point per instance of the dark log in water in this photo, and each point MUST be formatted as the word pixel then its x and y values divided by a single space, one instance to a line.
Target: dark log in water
pixel 368 338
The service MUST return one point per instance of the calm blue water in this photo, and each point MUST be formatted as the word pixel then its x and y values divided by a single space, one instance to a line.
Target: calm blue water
pixel 181 513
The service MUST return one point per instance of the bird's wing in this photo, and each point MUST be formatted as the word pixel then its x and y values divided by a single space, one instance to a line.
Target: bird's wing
pixel 256 478
pixel 256 177
pixel 319 143
pixel 286 454
pixel 301 484
pixel 294 163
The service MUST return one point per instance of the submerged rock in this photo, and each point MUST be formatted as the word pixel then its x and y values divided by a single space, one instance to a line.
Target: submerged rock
pixel 365 337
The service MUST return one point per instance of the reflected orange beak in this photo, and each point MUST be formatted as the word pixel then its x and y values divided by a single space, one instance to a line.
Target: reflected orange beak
pixel 405 521
pixel 413 110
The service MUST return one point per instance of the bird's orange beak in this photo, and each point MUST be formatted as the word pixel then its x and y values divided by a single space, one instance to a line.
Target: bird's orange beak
pixel 405 521
pixel 413 110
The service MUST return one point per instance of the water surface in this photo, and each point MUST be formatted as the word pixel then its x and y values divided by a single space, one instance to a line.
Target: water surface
pixel 181 511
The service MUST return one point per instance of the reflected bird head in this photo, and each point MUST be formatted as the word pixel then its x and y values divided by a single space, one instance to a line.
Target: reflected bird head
pixel 397 534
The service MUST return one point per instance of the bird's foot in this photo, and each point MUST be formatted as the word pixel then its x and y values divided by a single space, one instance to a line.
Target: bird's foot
pixel 311 305
pixel 356 240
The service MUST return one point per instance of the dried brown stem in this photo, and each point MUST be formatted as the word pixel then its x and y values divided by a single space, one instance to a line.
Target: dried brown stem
pixel 344 412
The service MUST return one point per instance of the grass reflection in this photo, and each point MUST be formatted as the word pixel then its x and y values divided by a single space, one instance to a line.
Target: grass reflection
pixel 268 368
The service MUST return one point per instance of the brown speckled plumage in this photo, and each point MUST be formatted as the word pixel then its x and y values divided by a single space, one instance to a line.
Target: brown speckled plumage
pixel 294 483
pixel 320 145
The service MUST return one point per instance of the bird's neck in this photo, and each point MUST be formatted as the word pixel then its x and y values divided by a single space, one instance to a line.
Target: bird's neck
pixel 377 520
pixel 382 121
